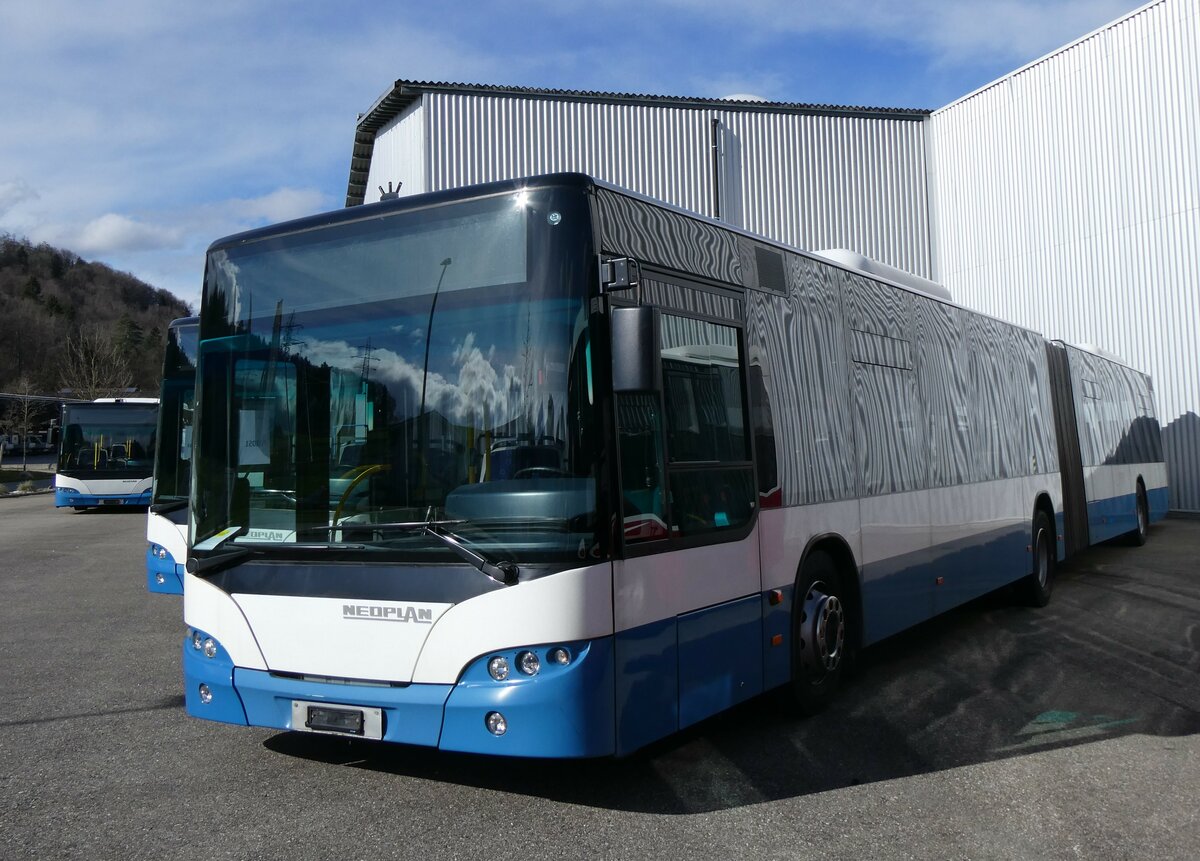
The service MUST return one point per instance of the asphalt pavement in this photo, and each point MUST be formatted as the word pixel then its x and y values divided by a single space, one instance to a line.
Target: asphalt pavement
pixel 995 731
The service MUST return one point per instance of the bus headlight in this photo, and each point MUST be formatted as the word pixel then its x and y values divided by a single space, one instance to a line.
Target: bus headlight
pixel 206 695
pixel 496 723
pixel 528 663
pixel 498 669
pixel 209 647
pixel 559 656
pixel 197 640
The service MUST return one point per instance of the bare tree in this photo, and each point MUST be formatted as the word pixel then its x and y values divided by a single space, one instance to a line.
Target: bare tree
pixel 94 366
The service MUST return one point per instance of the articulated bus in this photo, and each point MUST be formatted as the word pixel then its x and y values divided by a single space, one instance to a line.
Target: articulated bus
pixel 166 520
pixel 544 468
pixel 106 453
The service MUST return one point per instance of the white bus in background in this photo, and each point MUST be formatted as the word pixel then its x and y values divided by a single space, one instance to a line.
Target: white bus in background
pixel 106 453
pixel 744 462
pixel 166 519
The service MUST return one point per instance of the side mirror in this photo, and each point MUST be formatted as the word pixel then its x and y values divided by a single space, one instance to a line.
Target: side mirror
pixel 635 350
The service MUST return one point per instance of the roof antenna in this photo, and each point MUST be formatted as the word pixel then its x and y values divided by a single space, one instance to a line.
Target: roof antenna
pixel 389 194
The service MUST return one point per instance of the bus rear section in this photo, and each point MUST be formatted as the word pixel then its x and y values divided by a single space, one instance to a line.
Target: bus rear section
pixel 1110 443
pixel 167 517
pixel 106 453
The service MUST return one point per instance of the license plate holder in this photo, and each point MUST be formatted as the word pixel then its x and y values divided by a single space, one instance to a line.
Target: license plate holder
pixel 337 719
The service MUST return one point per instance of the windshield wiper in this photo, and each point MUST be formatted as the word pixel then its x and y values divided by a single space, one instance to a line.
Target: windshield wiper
pixel 503 572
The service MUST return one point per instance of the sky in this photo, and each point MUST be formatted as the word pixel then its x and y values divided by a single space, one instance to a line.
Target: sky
pixel 136 132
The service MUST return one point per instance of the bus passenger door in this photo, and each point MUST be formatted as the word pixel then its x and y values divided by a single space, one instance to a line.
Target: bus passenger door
pixel 688 613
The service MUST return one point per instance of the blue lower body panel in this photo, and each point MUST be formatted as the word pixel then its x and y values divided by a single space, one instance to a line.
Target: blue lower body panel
pixel 163 576
pixel 1159 500
pixel 1108 518
pixel 562 712
pixel 906 590
pixel 87 500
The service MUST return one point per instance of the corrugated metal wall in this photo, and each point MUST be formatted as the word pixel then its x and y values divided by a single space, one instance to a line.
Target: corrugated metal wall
pixel 399 154
pixel 1067 199
pixel 819 182
pixel 813 181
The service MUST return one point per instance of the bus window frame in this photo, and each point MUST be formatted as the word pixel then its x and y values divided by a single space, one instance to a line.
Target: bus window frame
pixel 672 541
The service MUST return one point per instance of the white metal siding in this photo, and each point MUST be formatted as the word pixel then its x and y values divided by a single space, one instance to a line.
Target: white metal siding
pixel 1068 200
pixel 818 182
pixel 809 180
pixel 400 154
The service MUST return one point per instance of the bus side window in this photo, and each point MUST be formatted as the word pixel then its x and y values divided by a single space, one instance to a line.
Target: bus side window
pixel 709 471
pixel 640 437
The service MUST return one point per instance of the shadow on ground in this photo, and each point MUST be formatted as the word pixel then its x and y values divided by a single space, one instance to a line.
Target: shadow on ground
pixel 1117 652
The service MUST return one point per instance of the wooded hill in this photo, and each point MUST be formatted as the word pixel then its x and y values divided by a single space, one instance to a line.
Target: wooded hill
pixel 69 324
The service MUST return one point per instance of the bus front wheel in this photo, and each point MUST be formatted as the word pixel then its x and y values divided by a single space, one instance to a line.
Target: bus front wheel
pixel 819 638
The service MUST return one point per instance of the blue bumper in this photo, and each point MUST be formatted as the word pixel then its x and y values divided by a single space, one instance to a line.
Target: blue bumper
pixel 562 712
pixel 163 576
pixel 67 499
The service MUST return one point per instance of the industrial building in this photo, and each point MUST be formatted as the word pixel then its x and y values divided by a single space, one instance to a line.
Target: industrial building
pixel 1064 196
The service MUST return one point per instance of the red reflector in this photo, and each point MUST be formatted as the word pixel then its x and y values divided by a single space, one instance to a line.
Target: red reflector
pixel 775 596
pixel 777 640
pixel 941 581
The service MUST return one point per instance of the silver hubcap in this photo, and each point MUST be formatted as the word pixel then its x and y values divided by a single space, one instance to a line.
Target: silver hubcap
pixel 822 630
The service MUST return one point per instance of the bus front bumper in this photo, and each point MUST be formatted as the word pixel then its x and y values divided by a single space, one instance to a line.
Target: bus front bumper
pixel 164 576
pixel 67 498
pixel 563 712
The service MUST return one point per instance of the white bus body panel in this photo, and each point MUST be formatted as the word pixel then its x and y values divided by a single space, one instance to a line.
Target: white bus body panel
pixel 348 638
pixel 208 608
pixel 105 486
pixel 649 589
pixel 172 536
pixel 565 607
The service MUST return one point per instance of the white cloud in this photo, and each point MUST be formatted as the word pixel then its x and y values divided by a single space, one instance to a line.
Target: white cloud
pixel 112 233
pixel 282 204
pixel 948 31
pixel 13 193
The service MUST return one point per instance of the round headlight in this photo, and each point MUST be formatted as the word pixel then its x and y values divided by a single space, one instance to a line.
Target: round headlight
pixel 560 656
pixel 159 578
pixel 161 552
pixel 496 723
pixel 528 663
pixel 498 668
pixel 210 648
pixel 197 640
pixel 205 694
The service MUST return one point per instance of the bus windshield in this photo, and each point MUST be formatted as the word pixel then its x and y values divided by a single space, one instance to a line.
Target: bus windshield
pixel 172 467
pixel 108 439
pixel 363 379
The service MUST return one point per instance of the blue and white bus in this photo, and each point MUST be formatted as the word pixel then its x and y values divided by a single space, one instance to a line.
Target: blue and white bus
pixel 106 453
pixel 543 468
pixel 166 520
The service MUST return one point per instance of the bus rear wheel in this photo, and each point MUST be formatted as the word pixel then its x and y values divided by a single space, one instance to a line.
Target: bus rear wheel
pixel 1140 532
pixel 819 638
pixel 1040 582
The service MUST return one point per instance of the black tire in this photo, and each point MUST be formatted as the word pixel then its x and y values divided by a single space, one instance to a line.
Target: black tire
pixel 820 641
pixel 1140 532
pixel 1040 583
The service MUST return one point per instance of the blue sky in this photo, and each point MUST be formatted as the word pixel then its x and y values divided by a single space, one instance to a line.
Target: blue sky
pixel 135 132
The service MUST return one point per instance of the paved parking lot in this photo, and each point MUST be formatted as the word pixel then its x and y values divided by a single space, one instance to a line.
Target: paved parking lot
pixel 993 732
